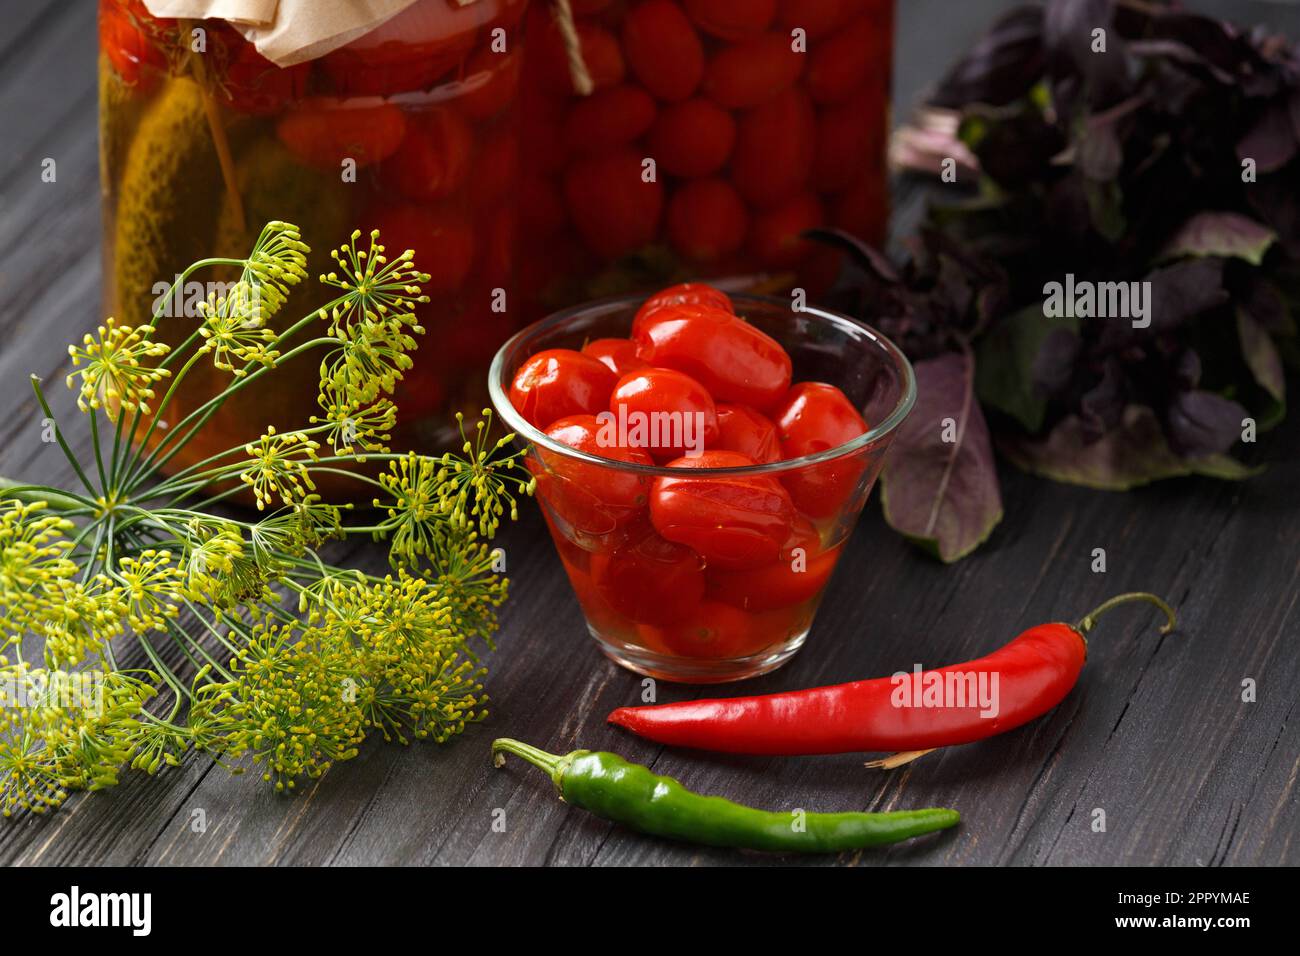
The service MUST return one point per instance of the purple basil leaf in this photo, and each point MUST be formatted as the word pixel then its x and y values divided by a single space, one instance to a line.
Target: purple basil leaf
pixel 1261 356
pixel 1001 67
pixel 1179 292
pixel 1218 233
pixel 1103 404
pixel 1201 423
pixel 1266 305
pixel 943 495
pixel 1073 64
pixel 1271 142
pixel 1053 366
pixel 1187 369
pixel 863 253
pixel 1132 454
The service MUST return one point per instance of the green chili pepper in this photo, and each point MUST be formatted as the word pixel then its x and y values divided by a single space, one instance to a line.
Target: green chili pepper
pixel 628 793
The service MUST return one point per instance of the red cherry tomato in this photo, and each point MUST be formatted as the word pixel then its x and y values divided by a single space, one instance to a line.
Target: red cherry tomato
pixel 491 79
pixel 716 631
pixel 600 51
pixel 735 361
pixel 774 149
pixel 733 522
pixel 614 209
pixel 776 234
pixel 749 433
pixel 693 138
pixel 752 71
pixel 556 383
pixel 731 19
pixel 841 63
pixel 685 293
pixel 434 158
pixel 816 18
pixel 815 417
pixel 442 239
pixel 798 574
pixel 667 413
pixel 592 499
pixel 618 355
pixel 132 39
pixel 706 220
pixel 608 118
pixel 651 580
pixel 322 132
pixel 663 49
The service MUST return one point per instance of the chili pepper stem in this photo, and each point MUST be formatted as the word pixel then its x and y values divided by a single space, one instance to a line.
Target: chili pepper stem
pixel 1089 620
pixel 554 764
pixel 898 759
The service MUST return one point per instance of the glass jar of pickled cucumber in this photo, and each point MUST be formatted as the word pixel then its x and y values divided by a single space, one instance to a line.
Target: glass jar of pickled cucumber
pixel 410 128
pixel 715 133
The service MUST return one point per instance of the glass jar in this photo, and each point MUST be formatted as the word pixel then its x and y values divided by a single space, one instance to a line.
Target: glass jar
pixel 664 608
pixel 717 132
pixel 410 129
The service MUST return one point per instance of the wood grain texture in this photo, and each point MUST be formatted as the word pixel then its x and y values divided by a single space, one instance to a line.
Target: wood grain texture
pixel 1156 734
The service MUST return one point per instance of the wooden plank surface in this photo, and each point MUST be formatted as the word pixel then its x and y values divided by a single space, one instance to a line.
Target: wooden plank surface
pixel 1156 734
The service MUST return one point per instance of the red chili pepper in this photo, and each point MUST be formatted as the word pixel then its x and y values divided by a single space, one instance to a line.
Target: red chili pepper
pixel 1034 673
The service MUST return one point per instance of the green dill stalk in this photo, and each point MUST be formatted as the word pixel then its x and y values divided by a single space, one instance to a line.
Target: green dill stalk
pixel 276 654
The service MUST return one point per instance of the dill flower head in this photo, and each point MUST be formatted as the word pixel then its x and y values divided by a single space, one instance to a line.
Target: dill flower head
pixel 234 329
pixel 278 261
pixel 150 587
pixel 83 618
pixel 33 563
pixel 375 289
pixel 218 568
pixel 62 731
pixel 118 373
pixel 291 704
pixel 280 466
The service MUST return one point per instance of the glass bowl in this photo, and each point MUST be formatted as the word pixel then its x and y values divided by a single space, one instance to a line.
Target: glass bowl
pixel 656 606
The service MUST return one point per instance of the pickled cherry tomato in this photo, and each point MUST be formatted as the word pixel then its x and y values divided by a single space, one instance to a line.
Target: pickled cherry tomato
pixel 441 237
pixel 593 499
pixel 774 149
pixel 496 79
pixel 735 361
pixel 667 413
pixel 541 208
pixel 650 580
pixel 816 417
pixel 434 158
pixel 716 631
pixel 685 293
pixel 613 208
pixel 692 138
pixel 608 118
pixel 731 19
pixel 393 67
pixel 798 574
pixel 617 355
pixel 135 56
pixel 556 383
pixel 663 49
pixel 743 430
pixel 547 59
pixel 846 140
pixel 752 71
pixel 495 164
pixel 862 208
pixel 840 64
pixel 322 132
pixel 733 522
pixel 776 234
pixel 706 220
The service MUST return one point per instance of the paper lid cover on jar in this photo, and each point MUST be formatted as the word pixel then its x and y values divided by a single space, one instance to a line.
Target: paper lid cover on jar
pixel 293 31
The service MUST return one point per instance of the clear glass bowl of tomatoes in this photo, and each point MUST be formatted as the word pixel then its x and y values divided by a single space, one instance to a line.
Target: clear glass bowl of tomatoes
pixel 701 460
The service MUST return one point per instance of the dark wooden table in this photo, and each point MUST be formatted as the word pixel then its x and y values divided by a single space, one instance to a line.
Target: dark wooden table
pixel 1156 735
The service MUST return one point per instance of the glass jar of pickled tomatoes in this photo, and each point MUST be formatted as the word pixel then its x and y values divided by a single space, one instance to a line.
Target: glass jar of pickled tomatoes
pixel 716 132
pixel 410 129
